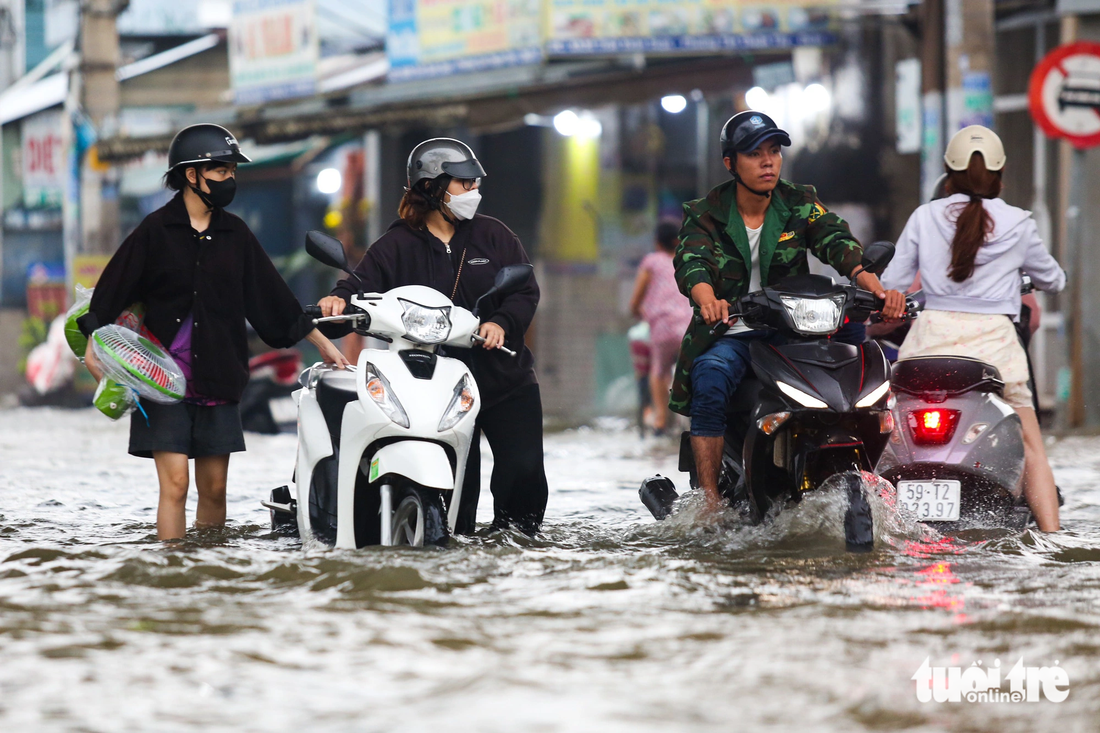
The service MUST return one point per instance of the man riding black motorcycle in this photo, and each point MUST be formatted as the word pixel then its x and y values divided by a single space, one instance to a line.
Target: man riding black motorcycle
pixel 746 234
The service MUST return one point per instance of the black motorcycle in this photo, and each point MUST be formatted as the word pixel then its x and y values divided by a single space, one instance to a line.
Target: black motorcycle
pixel 811 409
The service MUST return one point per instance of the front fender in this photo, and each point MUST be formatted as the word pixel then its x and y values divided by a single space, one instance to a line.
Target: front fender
pixel 419 461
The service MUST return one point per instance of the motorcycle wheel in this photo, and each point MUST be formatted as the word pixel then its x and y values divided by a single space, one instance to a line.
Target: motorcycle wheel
pixel 419 519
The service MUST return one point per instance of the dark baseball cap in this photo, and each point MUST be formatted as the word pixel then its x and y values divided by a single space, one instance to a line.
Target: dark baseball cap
pixel 745 131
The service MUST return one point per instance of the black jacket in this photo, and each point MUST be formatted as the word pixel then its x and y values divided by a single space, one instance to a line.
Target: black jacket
pixel 405 256
pixel 221 277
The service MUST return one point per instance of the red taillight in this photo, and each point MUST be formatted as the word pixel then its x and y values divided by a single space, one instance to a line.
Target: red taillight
pixel 933 427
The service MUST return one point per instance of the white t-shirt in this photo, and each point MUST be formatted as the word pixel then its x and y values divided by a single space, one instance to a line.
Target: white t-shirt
pixel 754 274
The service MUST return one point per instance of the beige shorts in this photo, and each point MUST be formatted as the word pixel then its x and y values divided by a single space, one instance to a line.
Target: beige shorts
pixel 990 338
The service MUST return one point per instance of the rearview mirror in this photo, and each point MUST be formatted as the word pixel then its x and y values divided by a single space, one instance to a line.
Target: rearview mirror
pixel 326 250
pixel 509 279
pixel 512 278
pixel 877 256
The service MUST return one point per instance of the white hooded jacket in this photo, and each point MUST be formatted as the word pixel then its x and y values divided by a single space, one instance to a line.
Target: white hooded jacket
pixel 994 288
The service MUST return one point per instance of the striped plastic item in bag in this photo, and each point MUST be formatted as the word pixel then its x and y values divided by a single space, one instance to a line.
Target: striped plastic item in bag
pixel 133 360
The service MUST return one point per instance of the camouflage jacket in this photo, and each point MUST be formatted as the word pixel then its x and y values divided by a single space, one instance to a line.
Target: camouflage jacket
pixel 714 248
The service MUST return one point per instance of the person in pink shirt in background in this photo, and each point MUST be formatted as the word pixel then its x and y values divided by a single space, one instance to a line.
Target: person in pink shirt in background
pixel 659 302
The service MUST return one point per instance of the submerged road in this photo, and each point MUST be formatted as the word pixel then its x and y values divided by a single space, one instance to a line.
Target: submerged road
pixel 606 622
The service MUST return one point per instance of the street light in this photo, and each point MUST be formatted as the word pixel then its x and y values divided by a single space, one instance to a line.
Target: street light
pixel 816 98
pixel 756 98
pixel 329 181
pixel 568 123
pixel 590 127
pixel 674 103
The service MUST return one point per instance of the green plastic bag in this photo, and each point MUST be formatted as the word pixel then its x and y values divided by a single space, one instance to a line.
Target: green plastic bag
pixel 113 399
pixel 77 341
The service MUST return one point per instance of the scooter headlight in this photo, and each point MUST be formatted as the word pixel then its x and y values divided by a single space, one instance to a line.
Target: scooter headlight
pixel 461 404
pixel 425 325
pixel 814 315
pixel 379 389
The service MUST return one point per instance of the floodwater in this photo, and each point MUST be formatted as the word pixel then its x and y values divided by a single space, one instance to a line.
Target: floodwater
pixel 606 622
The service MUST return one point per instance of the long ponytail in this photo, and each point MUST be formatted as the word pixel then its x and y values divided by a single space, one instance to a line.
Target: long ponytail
pixel 972 222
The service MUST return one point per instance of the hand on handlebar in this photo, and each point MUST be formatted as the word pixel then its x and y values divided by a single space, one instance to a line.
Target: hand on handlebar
pixel 716 311
pixel 893 302
pixel 333 305
pixel 894 305
pixel 493 335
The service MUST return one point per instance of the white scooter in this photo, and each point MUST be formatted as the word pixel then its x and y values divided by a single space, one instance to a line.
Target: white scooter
pixel 380 443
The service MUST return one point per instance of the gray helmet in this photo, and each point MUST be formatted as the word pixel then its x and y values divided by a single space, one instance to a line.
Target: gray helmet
pixel 442 155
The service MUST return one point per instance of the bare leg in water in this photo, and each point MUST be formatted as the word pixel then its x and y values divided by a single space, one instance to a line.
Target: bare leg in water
pixel 708 462
pixel 173 477
pixel 1039 489
pixel 211 473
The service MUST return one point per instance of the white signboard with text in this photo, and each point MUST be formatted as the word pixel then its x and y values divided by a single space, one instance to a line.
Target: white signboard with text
pixel 273 50
pixel 43 157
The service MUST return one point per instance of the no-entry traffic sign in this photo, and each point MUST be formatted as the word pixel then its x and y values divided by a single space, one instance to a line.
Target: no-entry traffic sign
pixel 1064 94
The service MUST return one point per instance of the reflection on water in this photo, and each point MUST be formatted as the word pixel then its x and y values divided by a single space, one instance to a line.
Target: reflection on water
pixel 607 621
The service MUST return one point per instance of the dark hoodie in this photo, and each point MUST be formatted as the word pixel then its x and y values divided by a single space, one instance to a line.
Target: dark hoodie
pixel 219 278
pixel 479 248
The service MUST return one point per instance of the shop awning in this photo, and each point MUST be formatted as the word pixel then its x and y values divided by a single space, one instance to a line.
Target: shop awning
pixel 19 102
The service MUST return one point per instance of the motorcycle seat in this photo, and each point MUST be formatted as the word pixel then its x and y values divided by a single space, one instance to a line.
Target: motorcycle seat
pixel 334 391
pixel 947 375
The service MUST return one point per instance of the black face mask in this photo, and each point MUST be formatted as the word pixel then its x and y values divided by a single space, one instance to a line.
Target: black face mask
pixel 221 192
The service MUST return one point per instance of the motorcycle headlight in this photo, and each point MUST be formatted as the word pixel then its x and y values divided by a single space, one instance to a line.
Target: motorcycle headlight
pixel 379 389
pixel 801 397
pixel 814 315
pixel 425 325
pixel 461 404
pixel 874 396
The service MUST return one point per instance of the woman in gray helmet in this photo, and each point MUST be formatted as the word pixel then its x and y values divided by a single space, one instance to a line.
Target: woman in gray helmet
pixel 439 240
pixel 200 274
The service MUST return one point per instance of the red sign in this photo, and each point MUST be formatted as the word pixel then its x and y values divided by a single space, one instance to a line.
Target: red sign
pixel 1064 94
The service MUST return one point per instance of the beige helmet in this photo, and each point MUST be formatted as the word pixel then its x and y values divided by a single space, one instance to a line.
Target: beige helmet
pixel 975 139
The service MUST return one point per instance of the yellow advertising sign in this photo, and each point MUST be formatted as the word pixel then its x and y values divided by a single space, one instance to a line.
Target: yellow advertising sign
pixel 88 268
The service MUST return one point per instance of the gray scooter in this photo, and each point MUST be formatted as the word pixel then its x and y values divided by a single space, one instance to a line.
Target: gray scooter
pixel 956 454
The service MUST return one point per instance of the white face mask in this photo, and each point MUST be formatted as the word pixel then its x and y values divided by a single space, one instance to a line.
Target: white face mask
pixel 464 205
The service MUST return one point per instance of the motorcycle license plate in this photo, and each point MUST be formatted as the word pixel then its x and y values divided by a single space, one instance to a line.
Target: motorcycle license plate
pixel 931 501
pixel 283 410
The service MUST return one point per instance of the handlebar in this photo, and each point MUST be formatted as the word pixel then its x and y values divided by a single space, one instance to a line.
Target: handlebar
pixel 860 298
pixel 481 340
pixel 912 308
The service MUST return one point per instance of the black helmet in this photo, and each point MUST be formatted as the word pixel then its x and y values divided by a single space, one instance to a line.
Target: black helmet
pixel 745 130
pixel 204 143
pixel 442 155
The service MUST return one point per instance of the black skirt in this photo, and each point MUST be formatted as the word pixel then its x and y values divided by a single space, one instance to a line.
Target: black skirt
pixel 197 431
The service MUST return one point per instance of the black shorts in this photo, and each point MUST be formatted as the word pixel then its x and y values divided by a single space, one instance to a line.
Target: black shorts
pixel 195 430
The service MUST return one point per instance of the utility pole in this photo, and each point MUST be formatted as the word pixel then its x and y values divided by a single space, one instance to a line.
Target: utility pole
pixel 1071 236
pixel 932 84
pixel 969 42
pixel 99 98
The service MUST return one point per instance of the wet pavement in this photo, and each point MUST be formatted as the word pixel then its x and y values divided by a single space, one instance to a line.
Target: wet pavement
pixel 605 622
